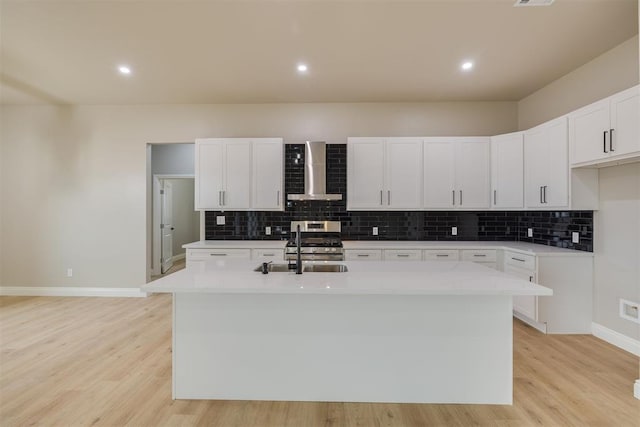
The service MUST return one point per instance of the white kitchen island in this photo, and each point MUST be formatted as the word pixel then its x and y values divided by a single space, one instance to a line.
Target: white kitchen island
pixel 428 332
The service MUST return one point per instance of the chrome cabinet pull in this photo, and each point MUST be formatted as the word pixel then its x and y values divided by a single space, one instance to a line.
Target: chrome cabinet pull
pixel 363 255
pixel 544 193
pixel 517 259
pixel 224 193
pixel 494 197
pixel 442 255
pixel 479 255
pixel 460 197
pixel 453 197
pixel 604 141
pixel 220 198
pixel 218 254
pixel 268 254
pixel 611 140
pixel 402 255
pixel 380 197
pixel 541 195
pixel 531 278
pixel 278 198
pixel 389 197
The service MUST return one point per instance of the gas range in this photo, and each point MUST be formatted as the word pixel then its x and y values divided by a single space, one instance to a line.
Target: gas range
pixel 320 241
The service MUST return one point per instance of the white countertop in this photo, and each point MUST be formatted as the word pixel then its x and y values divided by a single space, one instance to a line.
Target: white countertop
pixel 363 278
pixel 529 248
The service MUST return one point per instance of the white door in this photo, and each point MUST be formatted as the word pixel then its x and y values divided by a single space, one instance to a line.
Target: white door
pixel 236 193
pixel 209 174
pixel 535 166
pixel 507 171
pixel 267 174
pixel 625 122
pixel 589 128
pixel 166 226
pixel 556 182
pixel 472 175
pixel 403 173
pixel 439 175
pixel 365 173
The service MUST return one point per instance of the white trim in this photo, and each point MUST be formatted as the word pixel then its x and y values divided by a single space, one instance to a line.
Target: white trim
pixel 66 291
pixel 179 257
pixel 636 389
pixel 612 337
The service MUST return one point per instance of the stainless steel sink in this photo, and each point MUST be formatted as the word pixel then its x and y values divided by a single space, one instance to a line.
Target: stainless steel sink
pixel 325 268
pixel 309 268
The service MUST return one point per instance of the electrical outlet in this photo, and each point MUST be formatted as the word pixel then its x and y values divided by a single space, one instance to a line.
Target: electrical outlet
pixel 220 220
pixel 575 237
pixel 529 232
pixel 629 310
pixel 454 231
pixel 267 231
pixel 375 231
pixel 69 272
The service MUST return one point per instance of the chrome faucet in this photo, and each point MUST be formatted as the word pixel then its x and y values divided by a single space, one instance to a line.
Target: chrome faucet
pixel 298 250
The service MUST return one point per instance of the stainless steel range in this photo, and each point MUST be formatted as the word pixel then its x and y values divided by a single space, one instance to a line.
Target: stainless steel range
pixel 320 241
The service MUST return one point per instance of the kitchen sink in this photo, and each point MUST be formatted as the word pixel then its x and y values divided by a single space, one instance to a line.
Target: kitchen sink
pixel 309 268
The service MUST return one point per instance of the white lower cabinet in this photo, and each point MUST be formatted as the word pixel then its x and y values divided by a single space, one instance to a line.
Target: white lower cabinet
pixel 363 255
pixel 441 254
pixel 486 257
pixel 199 256
pixel 403 255
pixel 267 255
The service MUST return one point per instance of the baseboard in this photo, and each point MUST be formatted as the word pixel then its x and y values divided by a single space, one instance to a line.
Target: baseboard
pixel 66 291
pixel 617 339
pixel 179 257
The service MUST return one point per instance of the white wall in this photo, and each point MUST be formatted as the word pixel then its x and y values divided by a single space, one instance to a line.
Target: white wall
pixel 617 223
pixel 185 219
pixel 74 178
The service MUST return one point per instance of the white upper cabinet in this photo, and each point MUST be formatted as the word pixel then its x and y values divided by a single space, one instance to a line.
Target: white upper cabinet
pixel 546 165
pixel 384 173
pixel 228 176
pixel 456 173
pixel 507 171
pixel 268 174
pixel 606 131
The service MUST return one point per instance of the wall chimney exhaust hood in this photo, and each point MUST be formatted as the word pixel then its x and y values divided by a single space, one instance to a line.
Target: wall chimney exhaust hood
pixel 315 173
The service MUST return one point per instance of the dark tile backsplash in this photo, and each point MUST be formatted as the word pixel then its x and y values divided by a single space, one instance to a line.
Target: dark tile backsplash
pixel 551 228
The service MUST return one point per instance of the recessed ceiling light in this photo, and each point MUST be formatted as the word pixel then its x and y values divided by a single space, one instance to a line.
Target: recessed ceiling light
pixel 302 68
pixel 467 65
pixel 123 69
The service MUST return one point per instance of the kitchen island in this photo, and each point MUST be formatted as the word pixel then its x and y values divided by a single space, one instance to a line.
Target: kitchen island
pixel 428 332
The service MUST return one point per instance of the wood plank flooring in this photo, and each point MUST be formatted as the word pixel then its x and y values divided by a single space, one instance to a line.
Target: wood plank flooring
pixel 107 362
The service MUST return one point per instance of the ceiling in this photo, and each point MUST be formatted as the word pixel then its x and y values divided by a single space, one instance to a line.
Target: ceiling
pixel 243 51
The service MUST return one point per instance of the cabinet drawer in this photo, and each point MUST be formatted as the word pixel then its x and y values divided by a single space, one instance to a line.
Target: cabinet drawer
pixel 520 260
pixel 267 254
pixel 479 255
pixel 402 255
pixel 204 254
pixel 440 254
pixel 363 255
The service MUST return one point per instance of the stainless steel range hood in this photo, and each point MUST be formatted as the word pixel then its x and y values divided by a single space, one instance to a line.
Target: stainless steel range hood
pixel 315 173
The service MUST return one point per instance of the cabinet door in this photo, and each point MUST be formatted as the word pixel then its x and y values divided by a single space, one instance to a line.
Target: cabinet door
pixel 439 175
pixel 403 177
pixel 365 173
pixel 535 166
pixel 588 128
pixel 472 174
pixel 209 161
pixel 625 122
pixel 237 186
pixel 267 174
pixel 507 171
pixel 556 181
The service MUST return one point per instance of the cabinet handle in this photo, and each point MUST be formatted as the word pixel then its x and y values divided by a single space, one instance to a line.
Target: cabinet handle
pixel 479 255
pixel 443 255
pixel 402 255
pixel 218 254
pixel 224 193
pixel 268 254
pixel 494 197
pixel 604 141
pixel 531 278
pixel 278 198
pixel 611 140
pixel 453 197
pixel 517 259
pixel 544 193
pixel 380 197
pixel 363 255
pixel 541 195
pixel 220 198
pixel 461 197
pixel 389 197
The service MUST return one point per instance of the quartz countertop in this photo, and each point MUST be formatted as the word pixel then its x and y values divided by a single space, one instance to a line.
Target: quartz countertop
pixel 363 278
pixel 523 247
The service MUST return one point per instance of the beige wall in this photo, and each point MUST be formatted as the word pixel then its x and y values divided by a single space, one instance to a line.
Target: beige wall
pixel 617 223
pixel 74 179
pixel 611 72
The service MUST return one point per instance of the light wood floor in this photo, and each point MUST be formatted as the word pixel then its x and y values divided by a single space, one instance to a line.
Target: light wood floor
pixel 107 362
